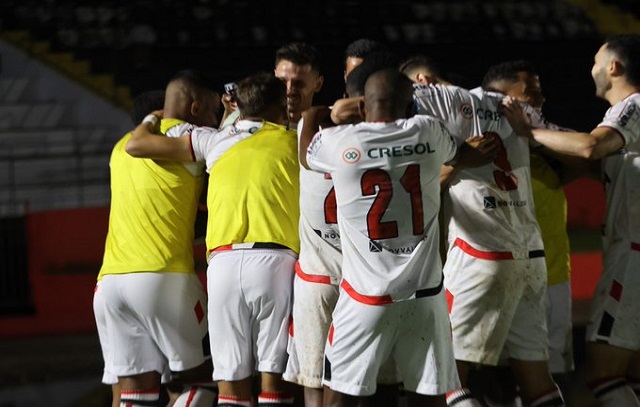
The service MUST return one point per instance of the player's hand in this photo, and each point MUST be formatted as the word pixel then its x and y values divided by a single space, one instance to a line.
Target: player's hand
pixel 227 103
pixel 477 151
pixel 158 113
pixel 518 120
pixel 347 111
pixel 319 114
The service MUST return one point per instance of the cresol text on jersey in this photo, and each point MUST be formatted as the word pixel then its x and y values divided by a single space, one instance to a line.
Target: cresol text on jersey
pixel 400 151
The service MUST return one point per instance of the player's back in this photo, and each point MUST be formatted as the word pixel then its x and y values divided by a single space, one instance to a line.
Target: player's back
pixel 386 178
pixel 152 213
pixel 491 207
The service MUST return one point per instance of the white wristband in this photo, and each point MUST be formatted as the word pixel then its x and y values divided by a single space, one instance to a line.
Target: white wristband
pixel 152 119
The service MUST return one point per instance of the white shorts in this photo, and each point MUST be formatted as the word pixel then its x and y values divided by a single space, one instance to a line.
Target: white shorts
pixel 415 333
pixel 151 322
pixel 496 306
pixel 250 294
pixel 313 303
pixel 560 327
pixel 615 307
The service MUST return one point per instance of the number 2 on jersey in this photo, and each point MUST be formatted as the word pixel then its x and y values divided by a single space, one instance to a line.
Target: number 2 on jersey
pixel 381 179
pixel 504 177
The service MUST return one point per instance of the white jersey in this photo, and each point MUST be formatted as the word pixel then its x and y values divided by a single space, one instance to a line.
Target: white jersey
pixel 386 178
pixel 451 104
pixel 318 225
pixel 210 144
pixel 622 175
pixel 491 207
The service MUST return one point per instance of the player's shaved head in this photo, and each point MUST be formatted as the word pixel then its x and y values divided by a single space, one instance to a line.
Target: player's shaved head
pixel 388 96
pixel 190 97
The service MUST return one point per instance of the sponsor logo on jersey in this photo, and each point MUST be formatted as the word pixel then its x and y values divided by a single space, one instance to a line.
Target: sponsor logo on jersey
pixel 490 202
pixel 400 151
pixel 486 114
pixel 626 115
pixel 351 155
pixel 374 247
pixel 403 250
pixel 466 110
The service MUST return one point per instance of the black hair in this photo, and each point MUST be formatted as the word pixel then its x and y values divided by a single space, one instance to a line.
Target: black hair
pixel 507 71
pixel 422 61
pixel 300 53
pixel 374 62
pixel 362 47
pixel 626 48
pixel 145 103
pixel 197 79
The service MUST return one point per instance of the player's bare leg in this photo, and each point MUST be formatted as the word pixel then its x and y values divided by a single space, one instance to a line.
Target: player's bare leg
pixel 605 374
pixel 535 382
pixel 313 397
pixel 633 373
pixel 115 395
pixel 421 400
pixel 336 399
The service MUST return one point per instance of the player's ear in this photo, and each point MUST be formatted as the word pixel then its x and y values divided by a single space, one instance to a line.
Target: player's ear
pixel 194 107
pixel 616 68
pixel 422 78
pixel 318 85
pixel 362 109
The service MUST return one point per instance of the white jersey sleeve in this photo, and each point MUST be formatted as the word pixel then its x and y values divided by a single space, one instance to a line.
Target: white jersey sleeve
pixel 209 144
pixel 179 130
pixel 453 105
pixel 625 118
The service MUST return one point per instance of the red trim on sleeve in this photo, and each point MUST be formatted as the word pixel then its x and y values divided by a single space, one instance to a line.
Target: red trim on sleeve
pixel 365 299
pixel 480 254
pixel 311 278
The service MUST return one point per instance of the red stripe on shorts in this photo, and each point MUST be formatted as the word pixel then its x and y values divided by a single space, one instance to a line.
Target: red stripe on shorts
pixel 311 278
pixel 330 336
pixel 616 290
pixel 449 300
pixel 635 246
pixel 365 299
pixel 480 254
pixel 223 248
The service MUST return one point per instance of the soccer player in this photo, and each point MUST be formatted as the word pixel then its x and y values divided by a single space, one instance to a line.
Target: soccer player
pixel 495 270
pixel 316 287
pixel 613 331
pixel 153 305
pixel 385 173
pixel 520 80
pixel 424 70
pixel 252 235
pixel 357 51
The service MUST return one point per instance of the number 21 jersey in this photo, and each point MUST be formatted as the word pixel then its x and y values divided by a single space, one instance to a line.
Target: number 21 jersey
pixel 386 180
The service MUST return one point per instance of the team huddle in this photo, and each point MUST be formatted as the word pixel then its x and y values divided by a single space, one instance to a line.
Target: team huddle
pixel 405 245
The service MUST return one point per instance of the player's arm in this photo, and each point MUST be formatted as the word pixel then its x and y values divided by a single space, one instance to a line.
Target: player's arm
pixel 347 110
pixel 144 143
pixel 475 152
pixel 312 119
pixel 601 142
pixel 594 146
